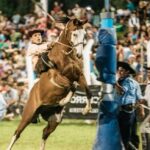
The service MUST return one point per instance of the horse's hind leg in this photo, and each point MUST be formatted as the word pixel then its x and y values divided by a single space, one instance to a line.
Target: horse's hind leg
pixel 88 106
pixel 17 133
pixel 28 113
pixel 53 122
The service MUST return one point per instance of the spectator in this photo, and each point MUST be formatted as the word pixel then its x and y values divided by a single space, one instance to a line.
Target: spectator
pixel 16 18
pixel 148 51
pixel 120 53
pixel 89 12
pixel 147 89
pixel 15 36
pixel 126 51
pixel 3 106
pixel 3 110
pixel 57 7
pixel 148 11
pixel 134 21
pixel 10 96
pixel 52 34
pixel 22 96
pixel 69 13
pixel 130 5
pixel 141 10
pixel 86 56
pixel 77 11
pixel 147 98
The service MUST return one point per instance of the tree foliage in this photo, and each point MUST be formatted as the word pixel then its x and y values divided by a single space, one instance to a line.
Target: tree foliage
pixel 10 7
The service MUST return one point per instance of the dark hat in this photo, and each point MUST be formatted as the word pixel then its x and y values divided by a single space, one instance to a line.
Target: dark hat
pixel 126 66
pixel 62 19
pixel 20 84
pixel 147 68
pixel 31 32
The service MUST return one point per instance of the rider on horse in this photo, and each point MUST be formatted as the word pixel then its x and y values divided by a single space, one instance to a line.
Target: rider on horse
pixel 39 49
pixel 37 46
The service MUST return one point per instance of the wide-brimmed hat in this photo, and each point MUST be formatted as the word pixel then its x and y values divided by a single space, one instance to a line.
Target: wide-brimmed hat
pixel 143 3
pixel 62 19
pixel 147 68
pixel 32 31
pixel 126 66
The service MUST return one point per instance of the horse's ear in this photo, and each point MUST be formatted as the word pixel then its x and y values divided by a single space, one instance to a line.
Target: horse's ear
pixel 82 22
pixel 64 19
pixel 76 22
pixel 79 22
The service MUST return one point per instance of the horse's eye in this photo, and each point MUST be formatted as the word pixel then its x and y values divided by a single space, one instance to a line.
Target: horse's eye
pixel 75 35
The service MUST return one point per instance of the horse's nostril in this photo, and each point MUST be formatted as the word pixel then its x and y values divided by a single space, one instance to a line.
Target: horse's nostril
pixel 71 43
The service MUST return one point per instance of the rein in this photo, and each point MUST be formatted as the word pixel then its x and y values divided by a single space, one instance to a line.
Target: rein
pixel 71 47
pixel 66 53
pixel 64 44
pixel 49 63
pixel 78 44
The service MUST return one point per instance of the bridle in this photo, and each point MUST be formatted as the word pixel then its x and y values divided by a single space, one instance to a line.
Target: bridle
pixel 71 47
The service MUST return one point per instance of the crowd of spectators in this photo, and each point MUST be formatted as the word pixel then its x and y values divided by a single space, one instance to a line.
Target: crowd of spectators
pixel 133 30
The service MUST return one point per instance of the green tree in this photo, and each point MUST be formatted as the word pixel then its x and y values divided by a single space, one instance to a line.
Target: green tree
pixel 10 7
pixel 25 6
pixel 118 3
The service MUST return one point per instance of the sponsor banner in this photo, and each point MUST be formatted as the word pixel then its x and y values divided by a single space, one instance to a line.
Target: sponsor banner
pixel 75 108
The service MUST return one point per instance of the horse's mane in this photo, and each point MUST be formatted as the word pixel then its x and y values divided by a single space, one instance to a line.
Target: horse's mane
pixel 72 71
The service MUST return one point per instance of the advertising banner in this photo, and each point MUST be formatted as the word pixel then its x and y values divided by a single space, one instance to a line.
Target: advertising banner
pixel 74 109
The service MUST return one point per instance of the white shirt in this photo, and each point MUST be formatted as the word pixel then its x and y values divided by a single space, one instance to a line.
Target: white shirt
pixel 148 53
pixel 86 60
pixel 147 93
pixel 3 106
pixel 34 50
pixel 134 21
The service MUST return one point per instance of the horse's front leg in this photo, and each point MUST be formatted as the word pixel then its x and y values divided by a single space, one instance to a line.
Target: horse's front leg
pixel 67 99
pixel 84 86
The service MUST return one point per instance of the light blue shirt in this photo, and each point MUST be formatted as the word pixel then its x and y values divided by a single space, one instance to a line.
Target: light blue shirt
pixel 132 92
pixel 3 106
pixel 12 94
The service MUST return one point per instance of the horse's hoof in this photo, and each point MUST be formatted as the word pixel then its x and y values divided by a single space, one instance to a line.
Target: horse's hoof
pixel 85 111
pixel 61 104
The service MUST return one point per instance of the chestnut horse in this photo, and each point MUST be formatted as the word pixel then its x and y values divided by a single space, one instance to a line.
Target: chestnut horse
pixel 55 87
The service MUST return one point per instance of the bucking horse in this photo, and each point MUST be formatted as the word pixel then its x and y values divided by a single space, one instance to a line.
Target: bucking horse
pixel 56 86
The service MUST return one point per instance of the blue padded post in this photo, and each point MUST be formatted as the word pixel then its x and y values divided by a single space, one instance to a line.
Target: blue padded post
pixel 108 134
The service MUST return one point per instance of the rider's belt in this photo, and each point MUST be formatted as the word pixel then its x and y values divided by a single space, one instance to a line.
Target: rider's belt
pixel 128 108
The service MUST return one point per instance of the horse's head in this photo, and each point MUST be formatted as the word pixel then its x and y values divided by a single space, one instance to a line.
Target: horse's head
pixel 74 34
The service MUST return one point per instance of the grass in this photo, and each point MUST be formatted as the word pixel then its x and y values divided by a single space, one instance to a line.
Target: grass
pixel 69 135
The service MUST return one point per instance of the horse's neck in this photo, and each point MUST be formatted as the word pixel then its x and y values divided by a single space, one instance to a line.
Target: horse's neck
pixel 63 39
pixel 55 54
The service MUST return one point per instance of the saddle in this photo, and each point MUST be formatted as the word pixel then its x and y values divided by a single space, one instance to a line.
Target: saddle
pixel 43 64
